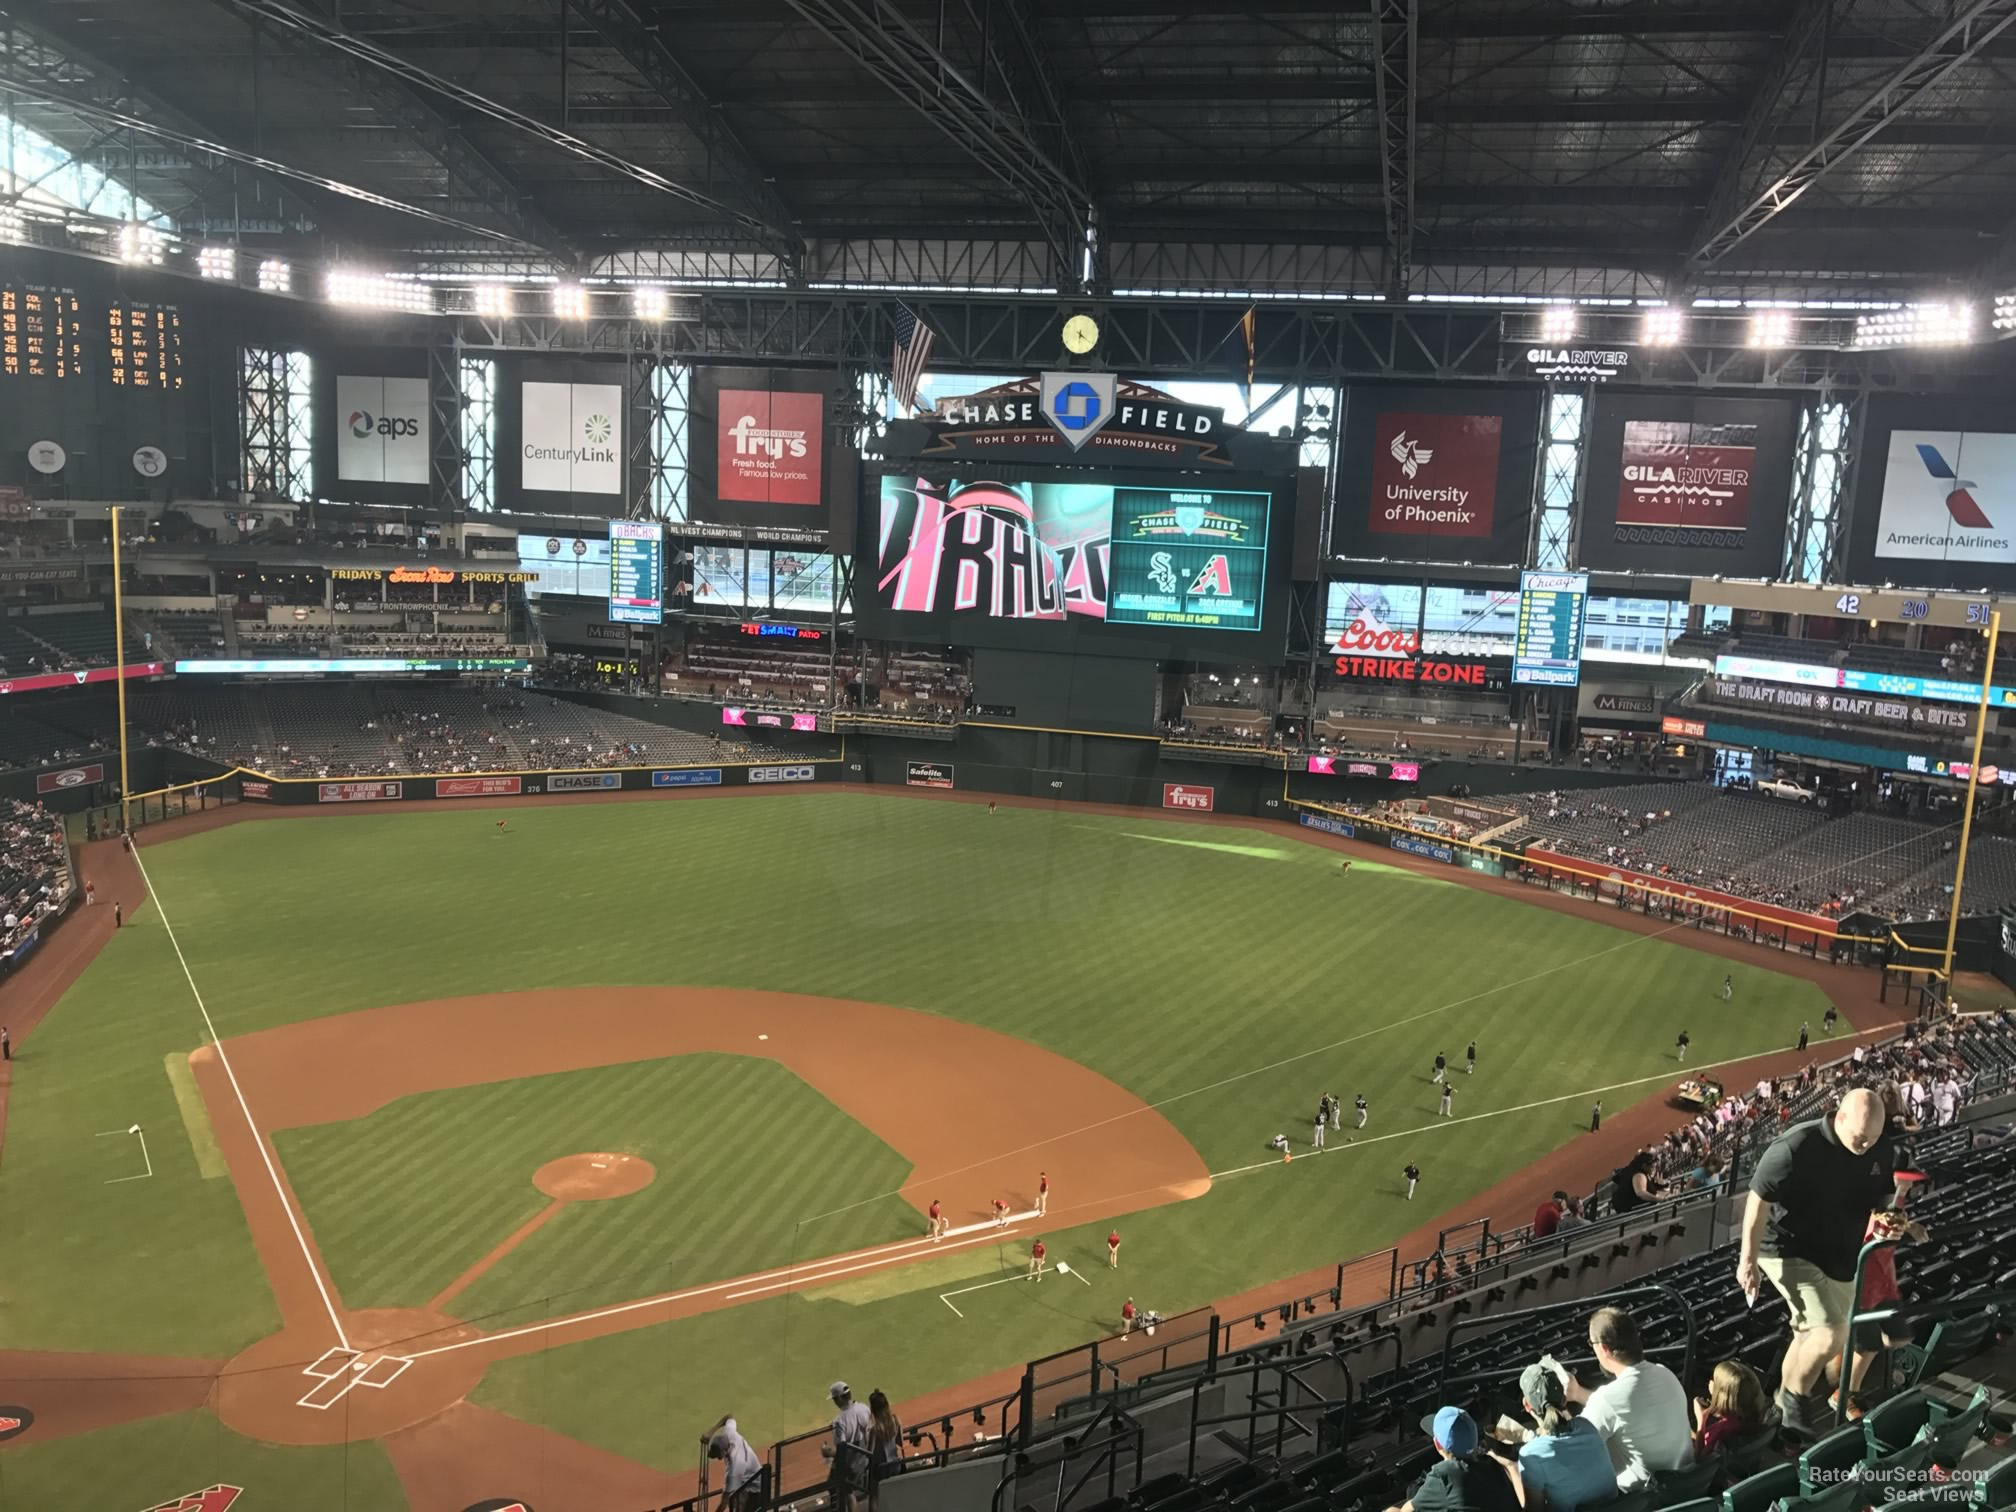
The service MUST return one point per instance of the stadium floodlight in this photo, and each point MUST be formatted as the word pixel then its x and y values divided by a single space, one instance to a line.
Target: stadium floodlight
pixel 1770 328
pixel 1937 323
pixel 142 245
pixel 276 276
pixel 1559 323
pixel 2004 318
pixel 12 227
pixel 492 300
pixel 375 291
pixel 1664 325
pixel 650 304
pixel 217 262
pixel 570 301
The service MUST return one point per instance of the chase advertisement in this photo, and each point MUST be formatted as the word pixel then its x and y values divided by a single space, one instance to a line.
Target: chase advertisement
pixel 1686 485
pixel 1439 475
pixel 986 558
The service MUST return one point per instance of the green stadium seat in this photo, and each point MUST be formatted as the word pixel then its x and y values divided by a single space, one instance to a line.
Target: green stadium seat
pixel 1822 1464
pixel 1903 1467
pixel 1761 1492
pixel 1644 1499
pixel 1953 1340
pixel 1700 1504
pixel 1752 1453
pixel 1894 1424
pixel 1676 1486
pixel 1953 1432
pixel 1849 1495
pixel 1997 1489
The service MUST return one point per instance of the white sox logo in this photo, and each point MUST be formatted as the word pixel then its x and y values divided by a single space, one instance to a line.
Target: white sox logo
pixel 1162 571
pixel 1411 455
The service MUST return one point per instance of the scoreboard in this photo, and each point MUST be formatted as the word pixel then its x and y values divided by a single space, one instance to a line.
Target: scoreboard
pixel 636 572
pixel 1547 651
pixel 1187 557
pixel 143 344
pixel 41 332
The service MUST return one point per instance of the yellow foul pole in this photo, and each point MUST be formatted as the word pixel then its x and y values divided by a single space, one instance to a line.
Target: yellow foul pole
pixel 119 672
pixel 1973 780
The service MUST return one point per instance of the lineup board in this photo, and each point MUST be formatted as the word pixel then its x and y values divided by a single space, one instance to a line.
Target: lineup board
pixel 41 332
pixel 143 345
pixel 1547 651
pixel 636 573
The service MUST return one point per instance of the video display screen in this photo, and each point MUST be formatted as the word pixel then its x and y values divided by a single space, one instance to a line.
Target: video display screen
pixel 985 553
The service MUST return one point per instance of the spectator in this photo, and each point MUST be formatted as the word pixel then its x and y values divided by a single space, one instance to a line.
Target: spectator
pixel 848 1475
pixel 1633 1186
pixel 1734 1407
pixel 1810 1200
pixel 1641 1411
pixel 1462 1480
pixel 1547 1217
pixel 885 1443
pixel 1879 1290
pixel 1572 1217
pixel 742 1485
pixel 1565 1458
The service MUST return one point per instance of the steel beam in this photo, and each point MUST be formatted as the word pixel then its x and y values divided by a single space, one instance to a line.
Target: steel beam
pixel 641 44
pixel 882 40
pixel 285 17
pixel 1974 25
pixel 1395 29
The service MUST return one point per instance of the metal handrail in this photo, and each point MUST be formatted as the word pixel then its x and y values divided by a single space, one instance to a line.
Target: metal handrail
pixel 1252 1414
pixel 1603 1299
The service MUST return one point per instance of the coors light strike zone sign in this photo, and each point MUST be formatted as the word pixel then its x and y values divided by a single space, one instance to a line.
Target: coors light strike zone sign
pixel 1369 650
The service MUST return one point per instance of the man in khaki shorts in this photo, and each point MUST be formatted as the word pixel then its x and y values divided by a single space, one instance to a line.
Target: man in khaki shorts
pixel 1810 1199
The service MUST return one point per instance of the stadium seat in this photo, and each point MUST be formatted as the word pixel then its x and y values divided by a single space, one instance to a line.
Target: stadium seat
pixel 1700 1504
pixel 1997 1488
pixel 1822 1463
pixel 1847 1495
pixel 1894 1424
pixel 1761 1492
pixel 1953 1432
pixel 1903 1467
pixel 1697 1479
pixel 1954 1340
pixel 1752 1453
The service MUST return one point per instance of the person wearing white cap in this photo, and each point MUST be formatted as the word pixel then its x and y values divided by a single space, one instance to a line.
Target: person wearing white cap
pixel 848 1452
pixel 742 1487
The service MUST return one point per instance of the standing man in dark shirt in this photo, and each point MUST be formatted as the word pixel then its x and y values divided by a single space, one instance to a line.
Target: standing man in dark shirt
pixel 1810 1199
pixel 1463 1480
pixel 1413 1175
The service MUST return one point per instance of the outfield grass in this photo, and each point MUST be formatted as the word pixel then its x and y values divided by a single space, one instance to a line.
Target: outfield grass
pixel 405 1201
pixel 1230 975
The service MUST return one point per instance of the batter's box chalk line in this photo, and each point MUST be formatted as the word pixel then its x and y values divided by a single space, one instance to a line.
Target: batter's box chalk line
pixel 345 1370
pixel 135 1132
pixel 1061 1267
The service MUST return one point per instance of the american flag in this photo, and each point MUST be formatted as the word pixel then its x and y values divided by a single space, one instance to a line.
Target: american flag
pixel 906 362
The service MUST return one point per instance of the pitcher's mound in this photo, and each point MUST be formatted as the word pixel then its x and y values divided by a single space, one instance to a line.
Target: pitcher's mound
pixel 590 1178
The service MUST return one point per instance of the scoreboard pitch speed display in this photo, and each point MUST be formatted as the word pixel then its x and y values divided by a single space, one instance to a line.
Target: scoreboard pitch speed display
pixel 636 573
pixel 1072 553
pixel 1548 650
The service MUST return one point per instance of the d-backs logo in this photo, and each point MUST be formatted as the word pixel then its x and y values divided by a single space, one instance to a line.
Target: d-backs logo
pixel 979 549
pixel 364 424
pixel 214 1499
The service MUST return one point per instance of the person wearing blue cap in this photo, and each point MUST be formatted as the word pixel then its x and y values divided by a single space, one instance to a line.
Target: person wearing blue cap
pixel 1463 1480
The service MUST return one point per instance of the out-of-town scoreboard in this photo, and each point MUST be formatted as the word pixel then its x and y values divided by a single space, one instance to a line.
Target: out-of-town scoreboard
pixel 1547 651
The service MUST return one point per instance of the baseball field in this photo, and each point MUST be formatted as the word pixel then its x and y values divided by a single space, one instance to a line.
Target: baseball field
pixel 384 1153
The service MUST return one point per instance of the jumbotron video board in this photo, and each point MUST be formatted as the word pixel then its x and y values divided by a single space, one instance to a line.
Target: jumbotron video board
pixel 1130 567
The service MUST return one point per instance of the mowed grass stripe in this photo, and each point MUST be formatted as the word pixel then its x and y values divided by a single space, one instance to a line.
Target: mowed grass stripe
pixel 740 1146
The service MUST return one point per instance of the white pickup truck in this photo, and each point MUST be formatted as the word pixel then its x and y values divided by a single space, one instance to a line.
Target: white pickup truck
pixel 1785 787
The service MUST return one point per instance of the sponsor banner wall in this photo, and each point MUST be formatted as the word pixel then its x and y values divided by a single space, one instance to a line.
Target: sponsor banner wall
pixel 764 774
pixel 583 782
pixel 358 792
pixel 70 777
pixel 1328 825
pixel 1935 501
pixel 250 789
pixel 1184 795
pixel 1689 729
pixel 761 448
pixel 1632 705
pixel 1612 881
pixel 42 680
pixel 571 437
pixel 478 787
pixel 1345 766
pixel 930 774
pixel 1427 848
pixel 382 430
pixel 1687 485
pixel 687 777
pixel 1441 475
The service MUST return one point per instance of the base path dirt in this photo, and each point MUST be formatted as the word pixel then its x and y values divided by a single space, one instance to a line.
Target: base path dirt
pixel 967 1140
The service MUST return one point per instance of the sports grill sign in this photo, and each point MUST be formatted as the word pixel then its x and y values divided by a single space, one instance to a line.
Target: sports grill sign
pixel 1434 475
pixel 1184 795
pixel 1857 706
pixel 70 777
pixel 1044 418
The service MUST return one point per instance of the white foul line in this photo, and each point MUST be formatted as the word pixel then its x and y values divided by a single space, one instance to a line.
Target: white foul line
pixel 294 1223
pixel 812 1272
pixel 115 1180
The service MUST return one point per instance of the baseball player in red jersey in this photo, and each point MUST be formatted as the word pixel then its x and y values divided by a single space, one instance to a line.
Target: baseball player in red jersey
pixel 937 1215
pixel 1000 1213
pixel 1042 1194
pixel 1127 1317
pixel 1113 1250
pixel 500 827
pixel 1036 1254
